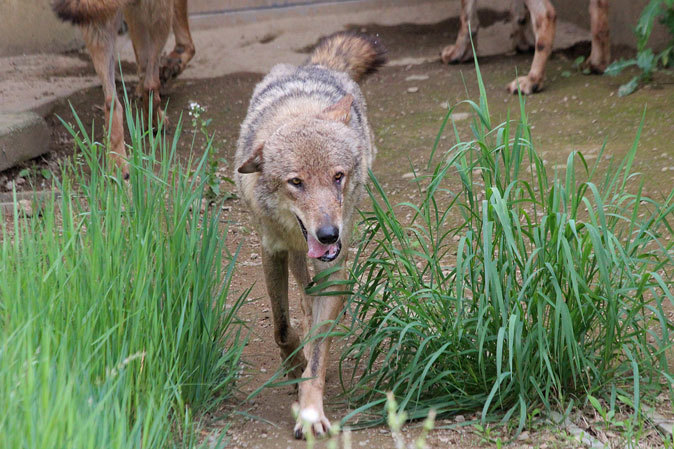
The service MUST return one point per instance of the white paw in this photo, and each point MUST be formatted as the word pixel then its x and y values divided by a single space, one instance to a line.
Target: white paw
pixel 312 420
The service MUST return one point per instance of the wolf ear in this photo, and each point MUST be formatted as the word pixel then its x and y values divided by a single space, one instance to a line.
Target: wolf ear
pixel 254 163
pixel 340 111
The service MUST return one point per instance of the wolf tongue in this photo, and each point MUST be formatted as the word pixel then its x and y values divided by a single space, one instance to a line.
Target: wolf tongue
pixel 316 248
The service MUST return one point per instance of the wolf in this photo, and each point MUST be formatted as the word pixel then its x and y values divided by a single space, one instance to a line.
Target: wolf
pixel 302 162
pixel 543 18
pixel 149 22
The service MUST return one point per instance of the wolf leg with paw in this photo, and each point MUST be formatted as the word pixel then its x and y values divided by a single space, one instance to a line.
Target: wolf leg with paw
pixel 543 20
pixel 302 163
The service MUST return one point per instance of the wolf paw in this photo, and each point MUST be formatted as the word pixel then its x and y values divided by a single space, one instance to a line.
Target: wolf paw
pixel 526 85
pixel 174 64
pixel 312 420
pixel 595 67
pixel 453 54
pixel 170 69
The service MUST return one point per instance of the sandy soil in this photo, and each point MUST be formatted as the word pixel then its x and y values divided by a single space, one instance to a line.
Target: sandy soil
pixel 574 112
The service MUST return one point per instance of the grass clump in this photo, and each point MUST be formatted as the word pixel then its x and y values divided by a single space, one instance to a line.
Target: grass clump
pixel 514 291
pixel 114 315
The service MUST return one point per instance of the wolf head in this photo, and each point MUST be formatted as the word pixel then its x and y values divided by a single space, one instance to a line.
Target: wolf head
pixel 307 167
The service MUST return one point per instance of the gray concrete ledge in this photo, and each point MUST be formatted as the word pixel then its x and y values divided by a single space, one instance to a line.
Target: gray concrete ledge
pixel 23 136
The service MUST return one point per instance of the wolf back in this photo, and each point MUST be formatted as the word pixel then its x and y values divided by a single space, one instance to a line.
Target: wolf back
pixel 317 85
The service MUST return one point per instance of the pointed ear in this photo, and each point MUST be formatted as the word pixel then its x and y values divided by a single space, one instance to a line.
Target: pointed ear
pixel 254 163
pixel 340 111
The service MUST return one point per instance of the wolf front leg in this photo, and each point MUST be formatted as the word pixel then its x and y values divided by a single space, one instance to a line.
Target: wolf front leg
pixel 462 50
pixel 600 56
pixel 300 270
pixel 324 312
pixel 275 267
pixel 544 20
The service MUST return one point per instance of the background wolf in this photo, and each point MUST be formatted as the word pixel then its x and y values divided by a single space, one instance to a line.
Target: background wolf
pixel 150 22
pixel 303 158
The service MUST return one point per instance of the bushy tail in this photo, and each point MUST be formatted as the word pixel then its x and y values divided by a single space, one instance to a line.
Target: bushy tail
pixel 86 11
pixel 354 53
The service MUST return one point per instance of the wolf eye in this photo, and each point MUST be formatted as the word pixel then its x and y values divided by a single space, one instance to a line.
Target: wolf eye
pixel 338 177
pixel 297 182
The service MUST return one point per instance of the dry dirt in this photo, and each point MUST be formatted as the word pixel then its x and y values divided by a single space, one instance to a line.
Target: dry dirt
pixel 574 112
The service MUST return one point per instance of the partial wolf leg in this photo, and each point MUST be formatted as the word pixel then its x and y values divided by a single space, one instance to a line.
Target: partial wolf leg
pixel 600 56
pixel 149 28
pixel 543 17
pixel 324 311
pixel 100 41
pixel 174 64
pixel 462 51
pixel 520 20
pixel 299 269
pixel 275 267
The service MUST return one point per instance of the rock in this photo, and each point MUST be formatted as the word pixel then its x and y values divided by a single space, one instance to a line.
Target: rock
pixel 23 136
pixel 413 89
pixel 458 116
pixel 416 78
pixel 25 207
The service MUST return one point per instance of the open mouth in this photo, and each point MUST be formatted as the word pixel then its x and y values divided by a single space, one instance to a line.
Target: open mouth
pixel 317 250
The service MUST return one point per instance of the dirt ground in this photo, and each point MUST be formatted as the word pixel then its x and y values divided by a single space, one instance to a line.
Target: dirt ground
pixel 407 101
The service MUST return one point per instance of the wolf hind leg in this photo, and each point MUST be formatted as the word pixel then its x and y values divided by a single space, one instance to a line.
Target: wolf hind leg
pixel 149 32
pixel 100 42
pixel 183 51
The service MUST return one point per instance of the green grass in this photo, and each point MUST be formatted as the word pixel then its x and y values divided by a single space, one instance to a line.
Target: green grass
pixel 517 290
pixel 115 322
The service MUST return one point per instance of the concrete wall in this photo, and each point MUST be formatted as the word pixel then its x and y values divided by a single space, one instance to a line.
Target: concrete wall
pixel 29 26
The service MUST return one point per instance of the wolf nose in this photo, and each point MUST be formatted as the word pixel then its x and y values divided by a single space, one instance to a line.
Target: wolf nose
pixel 327 234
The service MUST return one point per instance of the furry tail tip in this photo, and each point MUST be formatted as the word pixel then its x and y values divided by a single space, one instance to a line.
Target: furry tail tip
pixel 82 12
pixel 354 53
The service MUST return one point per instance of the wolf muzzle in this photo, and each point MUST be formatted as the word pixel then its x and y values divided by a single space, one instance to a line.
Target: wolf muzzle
pixel 326 246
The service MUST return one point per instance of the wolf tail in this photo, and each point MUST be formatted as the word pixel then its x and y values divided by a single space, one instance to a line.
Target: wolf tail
pixel 86 11
pixel 353 53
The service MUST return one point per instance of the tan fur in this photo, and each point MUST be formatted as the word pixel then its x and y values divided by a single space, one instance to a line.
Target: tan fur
pixel 349 53
pixel 600 56
pixel 149 24
pixel 543 20
pixel 303 158
pixel 87 11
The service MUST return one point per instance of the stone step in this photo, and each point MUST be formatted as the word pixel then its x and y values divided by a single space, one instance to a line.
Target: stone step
pixel 23 136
